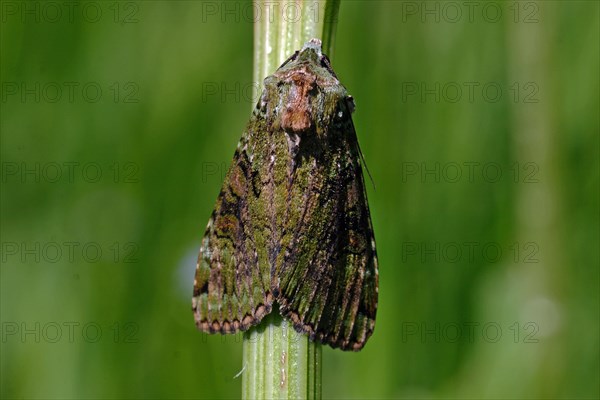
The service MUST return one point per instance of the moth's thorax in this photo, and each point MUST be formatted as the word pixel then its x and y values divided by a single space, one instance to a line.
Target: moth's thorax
pixel 297 113
pixel 304 93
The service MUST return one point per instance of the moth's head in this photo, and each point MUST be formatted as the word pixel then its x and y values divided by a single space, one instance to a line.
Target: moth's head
pixel 310 53
pixel 310 58
pixel 304 85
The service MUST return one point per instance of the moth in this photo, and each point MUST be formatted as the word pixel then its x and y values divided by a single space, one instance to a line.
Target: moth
pixel 291 227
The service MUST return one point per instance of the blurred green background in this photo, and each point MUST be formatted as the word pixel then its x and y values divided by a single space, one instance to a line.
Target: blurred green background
pixel 479 124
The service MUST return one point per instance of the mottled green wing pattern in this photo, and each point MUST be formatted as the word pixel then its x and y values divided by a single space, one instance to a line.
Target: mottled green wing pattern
pixel 327 282
pixel 291 223
pixel 231 290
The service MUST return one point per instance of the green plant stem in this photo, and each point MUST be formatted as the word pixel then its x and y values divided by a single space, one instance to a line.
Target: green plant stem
pixel 278 362
pixel 277 35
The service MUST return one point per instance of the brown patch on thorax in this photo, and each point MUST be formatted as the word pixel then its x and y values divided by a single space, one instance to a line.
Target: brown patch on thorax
pixel 297 115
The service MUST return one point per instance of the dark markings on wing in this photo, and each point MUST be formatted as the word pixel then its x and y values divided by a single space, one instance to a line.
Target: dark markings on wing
pixel 328 280
pixel 291 223
pixel 230 293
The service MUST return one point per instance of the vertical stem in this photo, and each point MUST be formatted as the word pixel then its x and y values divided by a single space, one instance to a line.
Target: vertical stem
pixel 282 27
pixel 279 363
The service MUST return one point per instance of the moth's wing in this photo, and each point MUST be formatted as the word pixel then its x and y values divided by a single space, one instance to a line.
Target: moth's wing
pixel 328 280
pixel 231 292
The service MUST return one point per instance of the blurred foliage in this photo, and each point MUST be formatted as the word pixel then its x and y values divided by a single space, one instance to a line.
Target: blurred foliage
pixel 456 319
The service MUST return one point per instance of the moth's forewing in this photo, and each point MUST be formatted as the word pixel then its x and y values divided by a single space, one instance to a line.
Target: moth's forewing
pixel 327 281
pixel 233 278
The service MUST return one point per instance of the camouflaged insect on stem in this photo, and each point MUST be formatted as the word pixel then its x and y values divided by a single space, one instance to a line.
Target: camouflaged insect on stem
pixel 291 224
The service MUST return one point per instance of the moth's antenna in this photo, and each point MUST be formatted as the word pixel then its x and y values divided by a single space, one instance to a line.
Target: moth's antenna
pixel 327 64
pixel 365 163
pixel 291 58
pixel 350 105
